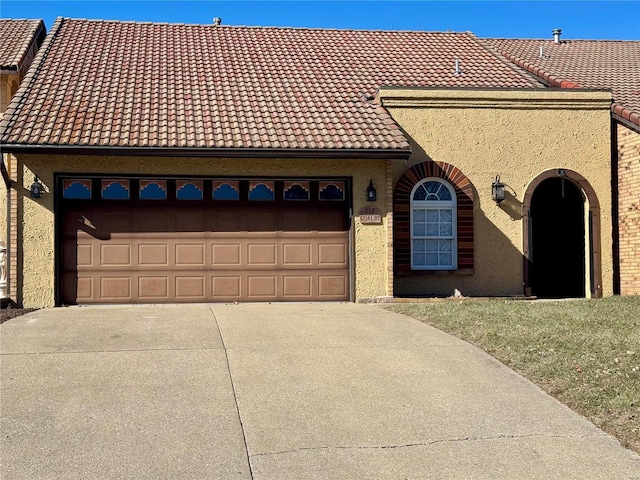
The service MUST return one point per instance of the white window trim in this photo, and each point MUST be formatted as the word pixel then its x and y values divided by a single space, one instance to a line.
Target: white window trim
pixel 433 205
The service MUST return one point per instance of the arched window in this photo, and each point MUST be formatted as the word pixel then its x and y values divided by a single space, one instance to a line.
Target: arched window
pixel 433 226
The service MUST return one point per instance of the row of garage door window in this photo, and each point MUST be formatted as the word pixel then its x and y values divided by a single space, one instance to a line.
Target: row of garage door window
pixel 116 189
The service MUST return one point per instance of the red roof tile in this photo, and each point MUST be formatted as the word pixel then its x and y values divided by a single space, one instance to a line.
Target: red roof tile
pixel 128 85
pixel 16 38
pixel 598 64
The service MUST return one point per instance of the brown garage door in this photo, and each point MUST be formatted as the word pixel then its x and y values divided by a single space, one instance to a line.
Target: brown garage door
pixel 136 251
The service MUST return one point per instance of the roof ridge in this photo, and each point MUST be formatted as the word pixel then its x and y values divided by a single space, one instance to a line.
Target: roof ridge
pixel 33 71
pixel 569 40
pixel 261 27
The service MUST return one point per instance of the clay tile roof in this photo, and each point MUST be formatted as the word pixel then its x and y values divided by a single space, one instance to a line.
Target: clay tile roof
pixel 16 39
pixel 599 64
pixel 133 85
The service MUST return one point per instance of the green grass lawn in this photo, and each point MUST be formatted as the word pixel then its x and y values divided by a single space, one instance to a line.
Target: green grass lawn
pixel 586 353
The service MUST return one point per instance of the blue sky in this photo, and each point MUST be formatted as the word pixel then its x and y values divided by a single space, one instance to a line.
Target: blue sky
pixel 612 20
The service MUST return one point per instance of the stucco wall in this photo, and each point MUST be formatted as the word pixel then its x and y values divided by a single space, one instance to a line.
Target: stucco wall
pixel 514 134
pixel 629 209
pixel 37 227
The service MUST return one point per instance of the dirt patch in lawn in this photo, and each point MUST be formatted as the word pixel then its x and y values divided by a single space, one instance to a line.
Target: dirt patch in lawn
pixel 11 310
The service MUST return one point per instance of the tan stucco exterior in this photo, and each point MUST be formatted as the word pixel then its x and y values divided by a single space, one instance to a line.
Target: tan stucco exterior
pixel 517 135
pixel 36 232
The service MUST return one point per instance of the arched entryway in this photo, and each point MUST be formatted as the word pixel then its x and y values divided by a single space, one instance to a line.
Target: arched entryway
pixel 561 231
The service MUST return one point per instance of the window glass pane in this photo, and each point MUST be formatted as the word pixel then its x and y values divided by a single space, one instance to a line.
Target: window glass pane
pixel 432 187
pixel 446 215
pixel 418 215
pixel 432 259
pixel 432 230
pixel 226 191
pixel 445 245
pixel 153 190
pixel 420 259
pixel 296 190
pixel 444 194
pixel 115 189
pixel 446 229
pixel 420 193
pixel 189 190
pixel 431 245
pixel 418 229
pixel 76 189
pixel 432 215
pixel 331 191
pixel 418 246
pixel 261 191
pixel 446 260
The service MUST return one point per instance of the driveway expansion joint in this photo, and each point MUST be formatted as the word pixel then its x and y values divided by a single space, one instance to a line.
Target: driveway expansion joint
pixel 133 350
pixel 235 396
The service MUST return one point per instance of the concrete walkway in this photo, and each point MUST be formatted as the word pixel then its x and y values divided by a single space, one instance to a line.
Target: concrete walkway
pixel 276 391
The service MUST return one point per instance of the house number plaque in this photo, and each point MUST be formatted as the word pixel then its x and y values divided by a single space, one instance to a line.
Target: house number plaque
pixel 370 215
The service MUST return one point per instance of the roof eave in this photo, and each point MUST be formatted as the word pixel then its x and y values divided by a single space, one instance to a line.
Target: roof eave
pixel 358 153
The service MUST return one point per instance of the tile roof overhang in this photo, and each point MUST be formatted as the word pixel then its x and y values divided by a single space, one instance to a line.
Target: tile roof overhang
pixel 204 90
pixel 17 36
pixel 604 64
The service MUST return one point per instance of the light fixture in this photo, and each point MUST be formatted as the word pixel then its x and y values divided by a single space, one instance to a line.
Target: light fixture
pixel 497 190
pixel 371 192
pixel 36 188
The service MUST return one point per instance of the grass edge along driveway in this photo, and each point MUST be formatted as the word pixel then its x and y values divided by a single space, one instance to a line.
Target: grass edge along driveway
pixel 585 353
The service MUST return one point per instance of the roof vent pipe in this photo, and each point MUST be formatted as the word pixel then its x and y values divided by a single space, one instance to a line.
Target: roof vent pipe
pixel 457 67
pixel 217 20
pixel 556 35
pixel 542 52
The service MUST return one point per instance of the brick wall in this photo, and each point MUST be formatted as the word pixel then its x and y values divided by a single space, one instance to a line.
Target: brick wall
pixel 629 209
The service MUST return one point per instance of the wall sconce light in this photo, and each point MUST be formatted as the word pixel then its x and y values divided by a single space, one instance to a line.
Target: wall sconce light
pixel 371 192
pixel 497 190
pixel 36 188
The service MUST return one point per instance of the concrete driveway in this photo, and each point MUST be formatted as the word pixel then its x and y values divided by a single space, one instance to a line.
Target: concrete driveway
pixel 276 391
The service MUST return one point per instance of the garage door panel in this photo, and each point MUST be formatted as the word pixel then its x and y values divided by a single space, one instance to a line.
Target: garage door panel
pixel 226 254
pixel 259 254
pixel 190 255
pixel 332 286
pixel 115 288
pixel 331 221
pixel 190 287
pixel 226 287
pixel 112 222
pixel 297 254
pixel 298 221
pixel 153 288
pixel 226 220
pixel 332 253
pixel 262 220
pixel 261 287
pixel 297 286
pixel 190 220
pixel 153 255
pixel 115 255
